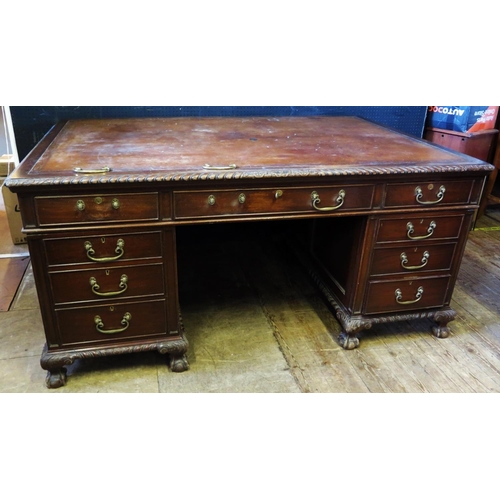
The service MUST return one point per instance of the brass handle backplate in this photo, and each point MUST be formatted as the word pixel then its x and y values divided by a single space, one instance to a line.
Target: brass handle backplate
pixel 222 167
pixel 316 200
pixel 102 170
pixel 418 296
pixel 419 194
pixel 80 204
pixel 404 261
pixel 411 229
pixel 118 250
pixel 99 325
pixel 122 285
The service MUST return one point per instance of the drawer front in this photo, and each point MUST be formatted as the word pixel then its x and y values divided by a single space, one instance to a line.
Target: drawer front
pixel 116 283
pixel 414 227
pixel 110 247
pixel 55 210
pixel 428 194
pixel 243 202
pixel 412 259
pixel 405 295
pixel 112 323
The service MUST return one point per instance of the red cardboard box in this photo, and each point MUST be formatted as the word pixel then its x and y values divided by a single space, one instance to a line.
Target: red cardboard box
pixel 462 118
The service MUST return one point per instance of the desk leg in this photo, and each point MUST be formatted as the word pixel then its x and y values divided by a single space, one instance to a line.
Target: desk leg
pixel 54 362
pixel 351 326
pixel 442 318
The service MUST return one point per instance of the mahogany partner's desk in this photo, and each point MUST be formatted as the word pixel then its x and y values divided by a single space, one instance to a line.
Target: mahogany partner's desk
pixel 101 199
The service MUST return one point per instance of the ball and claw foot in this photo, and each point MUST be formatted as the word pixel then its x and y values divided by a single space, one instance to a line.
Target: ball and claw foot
pixel 348 342
pixel 441 332
pixel 178 363
pixel 56 378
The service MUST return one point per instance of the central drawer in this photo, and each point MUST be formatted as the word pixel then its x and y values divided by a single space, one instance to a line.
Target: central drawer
pixel 118 282
pixel 232 202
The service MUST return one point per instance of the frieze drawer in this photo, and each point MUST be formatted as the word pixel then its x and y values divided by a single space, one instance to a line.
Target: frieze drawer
pixel 405 295
pixel 116 283
pixel 414 227
pixel 103 248
pixel 429 194
pixel 120 321
pixel 412 259
pixel 220 203
pixel 84 209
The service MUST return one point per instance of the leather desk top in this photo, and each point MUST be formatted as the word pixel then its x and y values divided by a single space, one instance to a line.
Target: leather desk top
pixel 173 149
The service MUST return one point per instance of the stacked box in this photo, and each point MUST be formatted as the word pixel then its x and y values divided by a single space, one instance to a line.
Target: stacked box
pixel 466 119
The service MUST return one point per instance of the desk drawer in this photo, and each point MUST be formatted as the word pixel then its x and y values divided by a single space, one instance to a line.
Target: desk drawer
pixel 110 247
pixel 114 283
pixel 404 295
pixel 84 209
pixel 190 204
pixel 416 227
pixel 111 323
pixel 425 194
pixel 412 259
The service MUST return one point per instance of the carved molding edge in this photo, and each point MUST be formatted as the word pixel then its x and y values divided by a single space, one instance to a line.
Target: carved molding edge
pixel 248 174
pixel 56 360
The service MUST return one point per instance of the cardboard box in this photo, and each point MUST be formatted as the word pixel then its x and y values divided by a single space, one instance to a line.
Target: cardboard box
pixel 462 118
pixel 13 215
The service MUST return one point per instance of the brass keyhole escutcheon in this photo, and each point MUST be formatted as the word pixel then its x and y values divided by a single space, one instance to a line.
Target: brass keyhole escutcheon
pixel 211 200
pixel 115 203
pixel 98 200
pixel 242 198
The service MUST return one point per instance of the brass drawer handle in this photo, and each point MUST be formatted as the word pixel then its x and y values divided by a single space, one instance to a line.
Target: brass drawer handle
pixel 99 325
pixel 118 250
pixel 419 194
pixel 80 204
pixel 223 167
pixel 122 285
pixel 411 229
pixel 418 296
pixel 211 200
pixel 102 170
pixel 316 201
pixel 404 261
pixel 242 198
